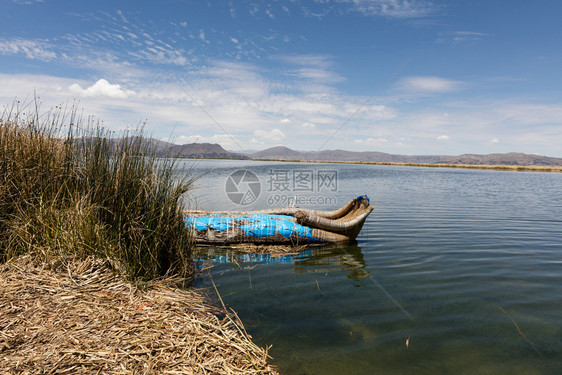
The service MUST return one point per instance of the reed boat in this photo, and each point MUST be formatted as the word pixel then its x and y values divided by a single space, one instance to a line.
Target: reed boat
pixel 289 225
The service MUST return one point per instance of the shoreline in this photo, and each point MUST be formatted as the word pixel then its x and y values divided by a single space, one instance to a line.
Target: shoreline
pixel 77 316
pixel 500 167
pixel 96 260
pixel 496 167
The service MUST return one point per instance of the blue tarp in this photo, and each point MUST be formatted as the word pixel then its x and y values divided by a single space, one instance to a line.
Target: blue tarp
pixel 257 225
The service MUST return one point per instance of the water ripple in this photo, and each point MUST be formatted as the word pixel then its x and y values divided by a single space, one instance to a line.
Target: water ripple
pixel 464 264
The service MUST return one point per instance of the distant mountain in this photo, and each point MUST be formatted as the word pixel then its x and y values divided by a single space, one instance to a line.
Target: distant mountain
pixel 163 149
pixel 202 151
pixel 285 153
pixel 152 144
pixel 374 156
pixel 215 151
pixel 281 153
pixel 511 158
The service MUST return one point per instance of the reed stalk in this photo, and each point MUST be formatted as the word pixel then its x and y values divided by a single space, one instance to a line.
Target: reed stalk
pixel 68 187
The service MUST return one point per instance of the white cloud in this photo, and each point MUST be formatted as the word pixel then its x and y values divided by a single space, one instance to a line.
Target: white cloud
pixel 472 33
pixel 372 141
pixel 32 49
pixel 272 135
pixel 24 85
pixel 393 8
pixel 457 37
pixel 320 75
pixel 494 140
pixel 102 88
pixel 239 96
pixel 174 57
pixel 308 125
pixel 233 80
pixel 27 2
pixel 428 84
pixel 254 9
pixel 312 67
pixel 370 112
pixel 443 138
pixel 529 113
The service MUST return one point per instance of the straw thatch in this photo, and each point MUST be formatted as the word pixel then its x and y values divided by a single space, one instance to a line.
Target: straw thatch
pixel 76 317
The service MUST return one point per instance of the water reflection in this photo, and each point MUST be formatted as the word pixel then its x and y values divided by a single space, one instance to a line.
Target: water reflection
pixel 331 258
pixel 321 259
pixel 445 249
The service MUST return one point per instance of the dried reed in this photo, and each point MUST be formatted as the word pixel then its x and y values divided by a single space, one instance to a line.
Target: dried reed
pixel 75 212
pixel 85 193
pixel 498 167
pixel 70 316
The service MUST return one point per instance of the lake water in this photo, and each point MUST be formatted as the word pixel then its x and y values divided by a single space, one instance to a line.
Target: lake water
pixel 464 266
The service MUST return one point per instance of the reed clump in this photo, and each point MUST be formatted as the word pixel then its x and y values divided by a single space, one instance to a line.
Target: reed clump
pixel 87 193
pixel 79 214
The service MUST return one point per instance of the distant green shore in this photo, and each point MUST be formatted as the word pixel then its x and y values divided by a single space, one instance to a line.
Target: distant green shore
pixel 498 167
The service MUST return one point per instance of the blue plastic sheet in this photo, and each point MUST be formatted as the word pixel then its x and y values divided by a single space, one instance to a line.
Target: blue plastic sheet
pixel 257 225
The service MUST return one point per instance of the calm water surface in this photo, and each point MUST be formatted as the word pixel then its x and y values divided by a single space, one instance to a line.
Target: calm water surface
pixel 464 264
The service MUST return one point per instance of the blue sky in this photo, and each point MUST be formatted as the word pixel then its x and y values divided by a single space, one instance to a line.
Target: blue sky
pixel 398 76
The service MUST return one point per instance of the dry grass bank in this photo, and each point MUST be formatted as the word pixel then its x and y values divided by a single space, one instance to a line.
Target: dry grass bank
pixel 84 218
pixel 77 317
pixel 498 167
pixel 515 168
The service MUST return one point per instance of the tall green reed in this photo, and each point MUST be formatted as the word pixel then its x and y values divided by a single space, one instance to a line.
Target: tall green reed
pixel 87 193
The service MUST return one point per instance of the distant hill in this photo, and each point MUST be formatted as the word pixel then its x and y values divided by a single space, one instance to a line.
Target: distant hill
pixel 281 153
pixel 511 158
pixel 215 151
pixel 202 151
pixel 154 144
pixel 190 150
pixel 285 153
